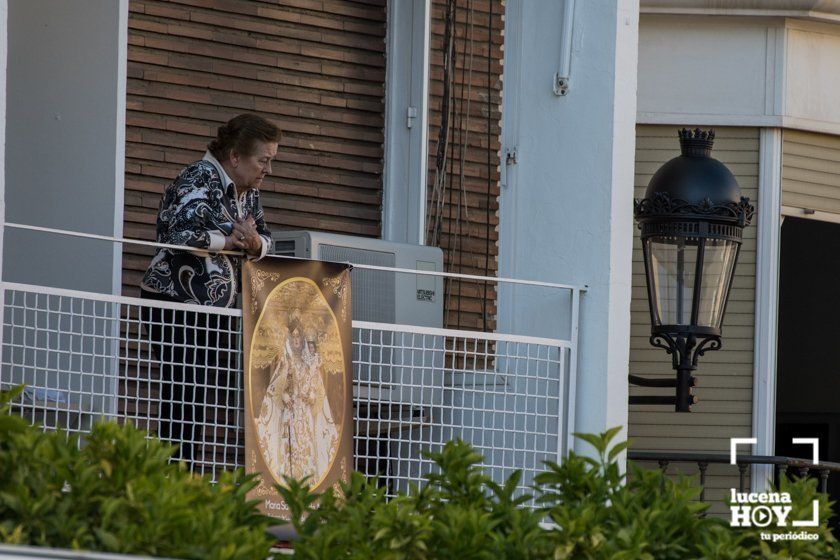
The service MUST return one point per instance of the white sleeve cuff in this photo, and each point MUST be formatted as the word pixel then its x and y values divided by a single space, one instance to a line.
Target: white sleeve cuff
pixel 266 243
pixel 217 241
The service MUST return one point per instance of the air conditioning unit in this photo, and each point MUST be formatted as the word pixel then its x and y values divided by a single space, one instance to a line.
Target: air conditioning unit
pixel 378 296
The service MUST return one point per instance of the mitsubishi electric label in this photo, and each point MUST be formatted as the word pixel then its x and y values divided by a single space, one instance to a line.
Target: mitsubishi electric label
pixel 426 283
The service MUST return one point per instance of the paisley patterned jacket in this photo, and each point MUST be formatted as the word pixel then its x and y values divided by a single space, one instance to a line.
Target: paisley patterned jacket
pixel 198 210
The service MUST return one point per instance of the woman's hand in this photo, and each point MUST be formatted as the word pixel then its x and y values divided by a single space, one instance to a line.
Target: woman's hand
pixel 245 231
pixel 233 243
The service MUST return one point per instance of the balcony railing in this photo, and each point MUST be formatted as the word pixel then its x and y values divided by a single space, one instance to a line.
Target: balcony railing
pixel 782 466
pixel 86 357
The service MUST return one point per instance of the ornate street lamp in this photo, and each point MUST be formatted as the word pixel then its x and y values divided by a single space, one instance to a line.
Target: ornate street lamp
pixel 692 219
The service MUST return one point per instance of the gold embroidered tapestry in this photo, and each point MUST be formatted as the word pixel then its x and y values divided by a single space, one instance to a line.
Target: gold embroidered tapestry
pixel 298 375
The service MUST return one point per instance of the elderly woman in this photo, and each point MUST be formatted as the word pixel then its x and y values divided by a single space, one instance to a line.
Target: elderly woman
pixel 212 205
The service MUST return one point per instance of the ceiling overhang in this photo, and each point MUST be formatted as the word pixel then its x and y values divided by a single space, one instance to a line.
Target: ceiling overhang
pixel 818 10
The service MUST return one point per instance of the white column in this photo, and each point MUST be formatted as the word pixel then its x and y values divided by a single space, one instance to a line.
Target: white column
pixel 65 147
pixel 769 210
pixel 65 140
pixel 406 121
pixel 567 210
pixel 119 132
pixel 4 49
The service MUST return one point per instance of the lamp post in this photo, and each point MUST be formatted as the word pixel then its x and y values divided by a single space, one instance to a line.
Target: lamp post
pixel 692 220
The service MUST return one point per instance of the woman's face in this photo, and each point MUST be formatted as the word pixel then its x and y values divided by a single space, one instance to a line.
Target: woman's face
pixel 248 171
pixel 297 340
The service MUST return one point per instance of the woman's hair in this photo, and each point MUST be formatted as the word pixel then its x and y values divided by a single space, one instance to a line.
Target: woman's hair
pixel 241 133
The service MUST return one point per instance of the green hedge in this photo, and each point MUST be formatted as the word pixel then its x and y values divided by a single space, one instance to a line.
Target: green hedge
pixel 120 494
pixel 598 512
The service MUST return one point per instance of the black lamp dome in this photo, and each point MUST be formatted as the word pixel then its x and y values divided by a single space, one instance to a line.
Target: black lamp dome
pixel 694 175
pixel 694 185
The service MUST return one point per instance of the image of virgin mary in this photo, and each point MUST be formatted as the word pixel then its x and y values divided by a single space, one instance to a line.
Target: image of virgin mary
pixel 296 429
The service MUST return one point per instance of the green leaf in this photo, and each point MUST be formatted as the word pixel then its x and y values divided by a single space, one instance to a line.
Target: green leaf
pixel 595 441
pixel 617 449
pixel 611 433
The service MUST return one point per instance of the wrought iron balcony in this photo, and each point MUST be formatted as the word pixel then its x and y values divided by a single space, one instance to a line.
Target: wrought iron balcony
pixel 782 466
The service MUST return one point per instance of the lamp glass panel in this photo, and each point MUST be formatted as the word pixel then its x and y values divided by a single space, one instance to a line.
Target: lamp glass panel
pixel 718 266
pixel 672 266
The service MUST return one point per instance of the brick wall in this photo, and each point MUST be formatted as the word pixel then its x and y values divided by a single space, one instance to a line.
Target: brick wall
pixel 315 67
pixel 467 218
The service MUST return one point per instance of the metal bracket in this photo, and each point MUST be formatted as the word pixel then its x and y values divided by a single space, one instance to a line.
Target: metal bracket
pixel 561 84
pixel 509 159
pixel 410 115
pixel 511 156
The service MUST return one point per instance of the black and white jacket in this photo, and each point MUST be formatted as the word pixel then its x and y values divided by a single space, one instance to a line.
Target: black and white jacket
pixel 199 209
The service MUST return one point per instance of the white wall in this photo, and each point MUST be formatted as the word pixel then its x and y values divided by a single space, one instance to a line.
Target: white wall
pixel 710 70
pixel 739 71
pixel 4 48
pixel 4 14
pixel 733 59
pixel 64 146
pixel 566 207
pixel 813 77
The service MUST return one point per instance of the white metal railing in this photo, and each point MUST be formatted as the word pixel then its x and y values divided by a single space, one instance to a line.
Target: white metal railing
pixel 86 356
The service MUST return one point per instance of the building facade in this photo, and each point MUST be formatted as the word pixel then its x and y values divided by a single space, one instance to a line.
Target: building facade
pixel 512 134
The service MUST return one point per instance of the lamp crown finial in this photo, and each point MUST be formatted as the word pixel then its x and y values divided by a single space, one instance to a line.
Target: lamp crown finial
pixel 696 142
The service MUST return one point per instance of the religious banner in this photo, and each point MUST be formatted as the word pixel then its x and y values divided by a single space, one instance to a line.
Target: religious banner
pixel 298 375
